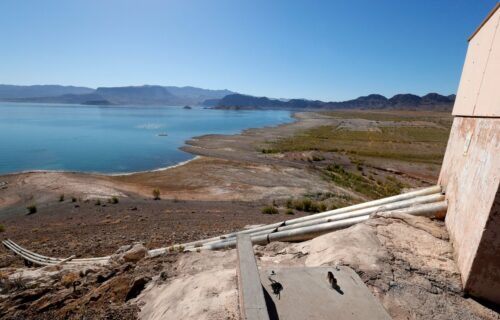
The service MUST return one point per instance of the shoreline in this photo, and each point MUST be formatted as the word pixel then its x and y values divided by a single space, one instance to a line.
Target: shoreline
pixel 117 174
pixel 179 164
pixel 223 167
pixel 184 148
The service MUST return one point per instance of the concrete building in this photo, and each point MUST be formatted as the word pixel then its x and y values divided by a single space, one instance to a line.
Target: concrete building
pixel 471 168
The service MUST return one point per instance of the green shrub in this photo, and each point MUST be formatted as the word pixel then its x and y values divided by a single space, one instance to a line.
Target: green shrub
pixel 298 205
pixel 322 207
pixel 156 194
pixel 269 210
pixel 98 202
pixel 113 200
pixel 318 158
pixel 289 211
pixel 2 228
pixel 73 199
pixel 61 198
pixel 307 204
pixel 31 209
pixel 334 206
pixel 289 204
pixel 313 207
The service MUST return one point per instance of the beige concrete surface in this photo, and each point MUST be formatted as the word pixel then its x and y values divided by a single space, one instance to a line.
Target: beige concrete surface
pixel 307 294
pixel 478 93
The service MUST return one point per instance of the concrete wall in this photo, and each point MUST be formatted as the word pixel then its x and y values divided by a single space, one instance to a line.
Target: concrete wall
pixel 470 176
pixel 484 276
pixel 478 93
pixel 470 173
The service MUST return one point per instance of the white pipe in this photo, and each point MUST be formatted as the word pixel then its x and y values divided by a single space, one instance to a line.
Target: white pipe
pixel 29 257
pixel 373 203
pixel 367 211
pixel 379 202
pixel 25 252
pixel 309 232
pixel 347 215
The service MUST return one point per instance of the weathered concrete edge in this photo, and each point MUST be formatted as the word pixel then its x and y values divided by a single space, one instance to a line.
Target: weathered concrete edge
pixel 250 292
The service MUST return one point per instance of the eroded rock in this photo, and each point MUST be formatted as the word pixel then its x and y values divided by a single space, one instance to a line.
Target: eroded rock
pixel 133 253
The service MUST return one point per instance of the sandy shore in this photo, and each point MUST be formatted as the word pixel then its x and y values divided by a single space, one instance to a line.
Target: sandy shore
pixel 226 168
pixel 221 190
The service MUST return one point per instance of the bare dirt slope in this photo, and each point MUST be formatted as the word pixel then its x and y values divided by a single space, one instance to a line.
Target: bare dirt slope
pixel 412 279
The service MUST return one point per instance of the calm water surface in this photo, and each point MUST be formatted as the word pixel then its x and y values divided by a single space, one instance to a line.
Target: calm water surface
pixel 111 139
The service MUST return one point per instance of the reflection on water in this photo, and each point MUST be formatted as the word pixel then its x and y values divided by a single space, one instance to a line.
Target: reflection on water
pixel 111 139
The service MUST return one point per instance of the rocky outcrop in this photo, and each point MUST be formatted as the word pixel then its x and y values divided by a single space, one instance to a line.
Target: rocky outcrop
pixel 130 253
pixel 431 101
pixel 81 292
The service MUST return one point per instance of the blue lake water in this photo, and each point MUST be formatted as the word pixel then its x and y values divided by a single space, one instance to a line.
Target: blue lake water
pixel 111 139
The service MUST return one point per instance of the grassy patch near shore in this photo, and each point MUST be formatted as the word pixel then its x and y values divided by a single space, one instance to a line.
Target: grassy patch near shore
pixel 402 136
pixel 400 142
pixel 442 118
pixel 369 187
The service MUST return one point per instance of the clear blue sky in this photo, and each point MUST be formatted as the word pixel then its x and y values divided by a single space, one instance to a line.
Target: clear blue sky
pixel 329 50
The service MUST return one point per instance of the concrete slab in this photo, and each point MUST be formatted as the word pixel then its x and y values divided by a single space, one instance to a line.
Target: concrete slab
pixel 306 293
pixel 252 301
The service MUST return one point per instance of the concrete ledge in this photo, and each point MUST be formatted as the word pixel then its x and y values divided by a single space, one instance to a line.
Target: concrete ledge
pixel 251 294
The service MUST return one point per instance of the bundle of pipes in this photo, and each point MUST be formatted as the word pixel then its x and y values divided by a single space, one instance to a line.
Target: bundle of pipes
pixel 427 201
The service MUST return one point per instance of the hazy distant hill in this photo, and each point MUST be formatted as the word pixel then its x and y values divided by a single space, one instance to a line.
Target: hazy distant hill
pixel 137 95
pixel 431 101
pixel 90 98
pixel 148 94
pixel 12 91
pixel 195 96
pixel 219 99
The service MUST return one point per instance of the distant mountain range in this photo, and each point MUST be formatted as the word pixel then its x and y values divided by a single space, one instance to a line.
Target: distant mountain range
pixel 218 99
pixel 431 101
pixel 147 95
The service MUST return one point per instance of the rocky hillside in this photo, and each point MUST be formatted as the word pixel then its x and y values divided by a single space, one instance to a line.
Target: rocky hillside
pixel 431 101
pixel 144 95
pixel 25 92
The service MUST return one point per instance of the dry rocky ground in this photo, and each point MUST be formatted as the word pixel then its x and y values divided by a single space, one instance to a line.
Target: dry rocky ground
pixel 413 280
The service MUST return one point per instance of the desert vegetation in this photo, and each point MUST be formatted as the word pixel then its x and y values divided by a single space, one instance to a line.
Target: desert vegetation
pixel 367 186
pixel 417 144
pixel 156 194
pixel 31 208
pixel 113 200
pixel 401 136
pixel 269 210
